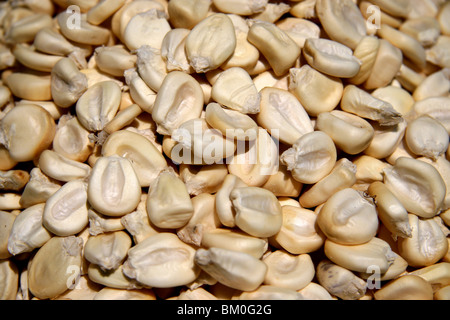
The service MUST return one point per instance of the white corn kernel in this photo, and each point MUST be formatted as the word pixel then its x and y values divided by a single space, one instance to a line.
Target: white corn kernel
pixel 223 204
pixel 280 110
pixel 113 188
pixel 235 240
pixel 234 88
pixel 123 118
pixel 411 48
pixel 168 203
pixel 385 139
pixel 146 160
pixel 443 14
pixel 10 201
pixel 425 136
pixel 339 281
pixel 283 184
pixel 407 287
pixel 409 78
pixel 442 294
pixel 231 123
pixel 124 294
pixel 25 29
pixel 366 52
pixel 66 211
pixel 13 180
pixel 418 186
pixel 151 66
pixel 245 54
pixel 299 233
pixel 442 165
pixel 387 64
pixel 435 85
pixel 137 222
pixel 436 107
pixel 424 29
pixel 397 9
pixel 276 46
pixel 55 111
pixel 304 9
pixel 130 9
pixel 258 211
pixel 178 153
pixel 94 76
pixel 402 150
pixel 54 266
pixel 342 176
pixel 7 59
pixel 6 162
pixel 60 168
pixel 347 217
pixel 427 244
pixel 363 104
pixel 114 60
pixel 86 33
pixel 342 20
pixel 206 143
pixel 29 86
pixel 288 271
pixel 314 291
pixel 107 250
pixel 146 28
pixel 256 161
pixel 10 273
pixel 317 92
pixel 331 57
pixel 7 223
pixel 203 179
pixel 102 10
pixel 98 105
pixel 427 8
pixel 211 42
pixel 67 83
pixel 173 50
pixel 72 139
pixel 5 95
pixel 240 7
pixel 85 289
pixel 179 99
pixel 272 12
pixel 350 133
pixel 99 223
pixel 361 257
pixel 38 189
pixel 27 130
pixel 311 158
pixel 437 274
pixel 299 29
pixel 203 220
pixel 269 292
pixel 400 98
pixel 234 269
pixel 161 261
pixel 49 40
pixel 33 59
pixel 140 92
pixel 115 278
pixel 396 269
pixel 187 13
pixel 390 210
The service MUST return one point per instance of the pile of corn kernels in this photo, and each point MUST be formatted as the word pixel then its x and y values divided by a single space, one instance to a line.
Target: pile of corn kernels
pixel 224 150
